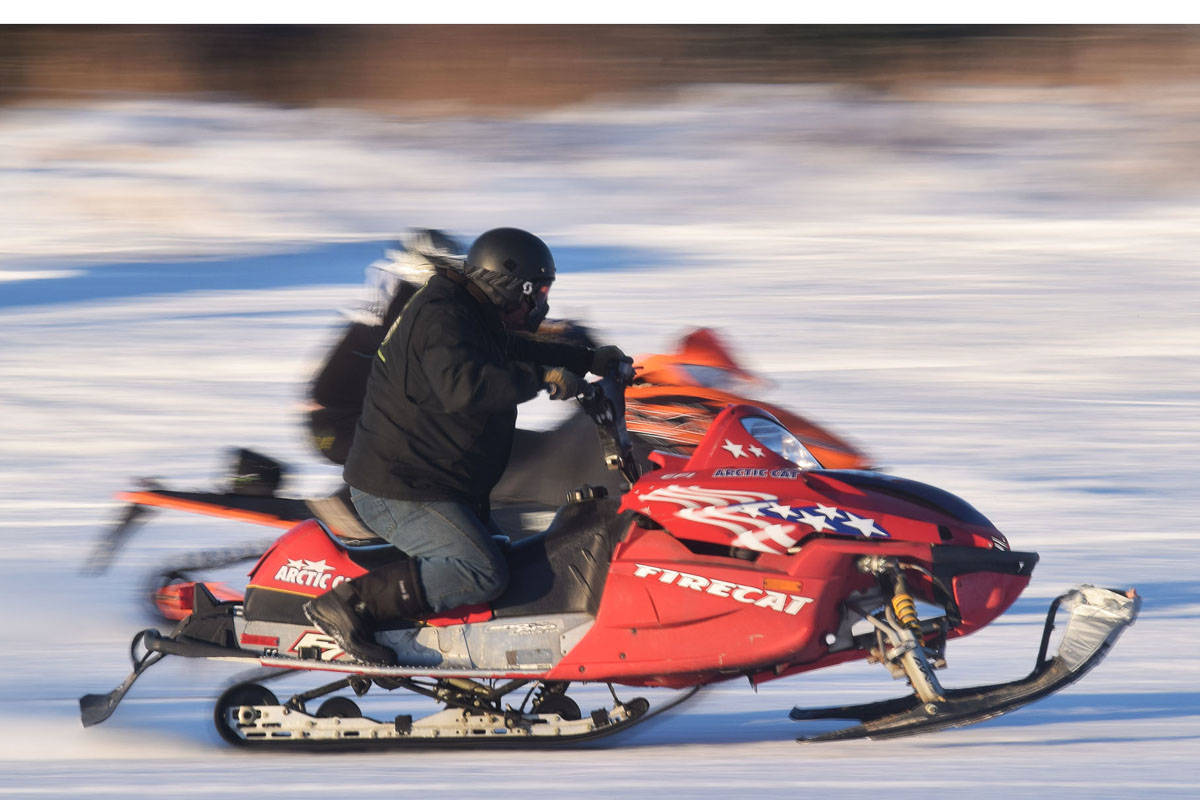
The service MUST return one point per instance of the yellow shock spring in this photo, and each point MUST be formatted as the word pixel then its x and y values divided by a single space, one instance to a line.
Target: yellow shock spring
pixel 906 610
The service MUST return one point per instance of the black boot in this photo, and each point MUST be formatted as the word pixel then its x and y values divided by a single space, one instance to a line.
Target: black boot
pixel 393 592
pixel 352 610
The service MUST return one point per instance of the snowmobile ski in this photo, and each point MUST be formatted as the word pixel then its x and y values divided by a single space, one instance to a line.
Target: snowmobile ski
pixel 1098 617
pixel 95 708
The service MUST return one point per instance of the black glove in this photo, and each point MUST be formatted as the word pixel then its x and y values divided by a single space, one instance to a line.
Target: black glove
pixel 562 384
pixel 605 358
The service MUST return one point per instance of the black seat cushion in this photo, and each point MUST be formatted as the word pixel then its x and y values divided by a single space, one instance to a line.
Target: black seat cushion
pixel 564 569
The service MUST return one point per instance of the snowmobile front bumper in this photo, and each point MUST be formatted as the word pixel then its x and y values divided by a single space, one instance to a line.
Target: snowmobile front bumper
pixel 1098 617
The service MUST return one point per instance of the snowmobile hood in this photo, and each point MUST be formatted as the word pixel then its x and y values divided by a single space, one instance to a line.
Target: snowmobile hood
pixel 915 492
pixel 751 485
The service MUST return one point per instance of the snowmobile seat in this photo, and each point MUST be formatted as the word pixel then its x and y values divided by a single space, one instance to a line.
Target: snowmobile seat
pixel 563 569
pixel 340 517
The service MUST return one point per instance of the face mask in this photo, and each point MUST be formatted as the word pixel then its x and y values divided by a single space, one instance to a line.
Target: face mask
pixel 528 312
pixel 537 301
pixel 538 313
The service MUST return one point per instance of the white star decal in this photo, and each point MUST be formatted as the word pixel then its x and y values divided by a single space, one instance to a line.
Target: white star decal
pixel 735 449
pixel 753 510
pixel 814 521
pixel 297 563
pixel 780 534
pixel 317 566
pixel 758 451
pixel 864 526
pixel 828 511
pixel 782 511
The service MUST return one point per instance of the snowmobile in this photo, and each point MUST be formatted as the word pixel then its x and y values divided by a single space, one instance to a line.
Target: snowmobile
pixel 747 558
pixel 673 399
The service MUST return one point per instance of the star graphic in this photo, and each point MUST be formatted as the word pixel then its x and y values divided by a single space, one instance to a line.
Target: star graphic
pixel 317 566
pixel 814 521
pixel 829 511
pixel 781 511
pixel 780 534
pixel 298 563
pixel 758 451
pixel 735 449
pixel 864 526
pixel 754 509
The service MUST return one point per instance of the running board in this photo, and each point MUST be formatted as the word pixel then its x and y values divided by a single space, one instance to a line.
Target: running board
pixel 1098 617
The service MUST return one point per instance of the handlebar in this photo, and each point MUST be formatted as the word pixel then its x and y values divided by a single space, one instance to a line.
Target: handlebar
pixel 622 375
pixel 604 402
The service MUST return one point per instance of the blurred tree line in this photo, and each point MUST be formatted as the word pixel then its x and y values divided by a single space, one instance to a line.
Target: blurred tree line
pixel 542 65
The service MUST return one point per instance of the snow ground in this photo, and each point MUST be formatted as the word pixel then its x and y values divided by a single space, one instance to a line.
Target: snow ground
pixel 991 290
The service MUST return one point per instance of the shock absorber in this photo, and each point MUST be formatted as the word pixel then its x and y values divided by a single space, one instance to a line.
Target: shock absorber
pixel 916 664
pixel 905 607
pixel 905 653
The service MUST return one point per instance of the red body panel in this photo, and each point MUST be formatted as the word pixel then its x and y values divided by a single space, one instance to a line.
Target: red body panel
pixel 306 560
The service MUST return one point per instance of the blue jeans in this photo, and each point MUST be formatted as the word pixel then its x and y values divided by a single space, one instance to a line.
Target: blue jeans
pixel 457 560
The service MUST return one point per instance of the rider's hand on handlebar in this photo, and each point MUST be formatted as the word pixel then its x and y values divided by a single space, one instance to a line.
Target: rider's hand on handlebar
pixel 606 358
pixel 562 384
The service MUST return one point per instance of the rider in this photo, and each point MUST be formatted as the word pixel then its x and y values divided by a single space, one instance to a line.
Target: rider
pixel 436 432
pixel 337 390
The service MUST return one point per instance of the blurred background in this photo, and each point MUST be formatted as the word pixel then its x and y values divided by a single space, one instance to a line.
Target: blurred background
pixel 489 66
pixel 120 140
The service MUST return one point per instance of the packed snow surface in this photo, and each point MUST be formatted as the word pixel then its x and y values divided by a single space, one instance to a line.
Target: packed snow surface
pixel 990 290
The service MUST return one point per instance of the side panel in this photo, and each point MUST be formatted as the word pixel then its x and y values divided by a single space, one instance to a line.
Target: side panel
pixel 305 561
pixel 670 615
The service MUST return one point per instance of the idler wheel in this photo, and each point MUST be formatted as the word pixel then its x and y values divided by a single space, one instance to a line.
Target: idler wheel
pixel 339 707
pixel 236 696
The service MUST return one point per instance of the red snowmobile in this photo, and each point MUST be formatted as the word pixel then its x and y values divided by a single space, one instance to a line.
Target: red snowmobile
pixel 674 398
pixel 747 558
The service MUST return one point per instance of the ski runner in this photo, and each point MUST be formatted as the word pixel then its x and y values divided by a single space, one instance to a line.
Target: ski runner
pixel 436 433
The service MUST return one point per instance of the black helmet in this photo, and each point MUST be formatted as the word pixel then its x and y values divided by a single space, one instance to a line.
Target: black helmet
pixel 513 268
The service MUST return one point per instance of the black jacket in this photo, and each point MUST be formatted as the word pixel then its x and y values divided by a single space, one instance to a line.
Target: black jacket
pixel 338 389
pixel 441 404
